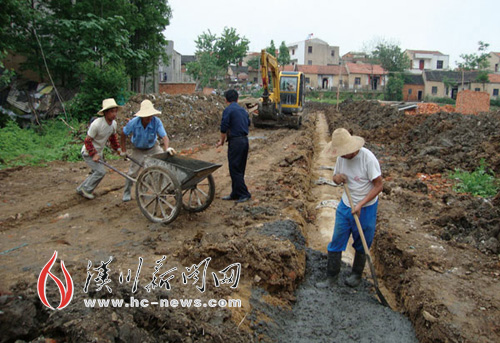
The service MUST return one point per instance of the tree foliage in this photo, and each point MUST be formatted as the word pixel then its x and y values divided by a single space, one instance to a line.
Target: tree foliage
pixel 394 88
pixel 215 54
pixel 391 57
pixel 475 61
pixel 284 55
pixel 271 49
pixel 116 33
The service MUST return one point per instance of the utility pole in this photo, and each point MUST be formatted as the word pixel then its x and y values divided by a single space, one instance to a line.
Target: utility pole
pixel 338 87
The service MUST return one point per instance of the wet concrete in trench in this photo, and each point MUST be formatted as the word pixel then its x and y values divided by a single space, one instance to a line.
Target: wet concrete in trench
pixel 337 314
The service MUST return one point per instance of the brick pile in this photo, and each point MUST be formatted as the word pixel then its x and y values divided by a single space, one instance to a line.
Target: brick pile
pixel 430 108
pixel 471 102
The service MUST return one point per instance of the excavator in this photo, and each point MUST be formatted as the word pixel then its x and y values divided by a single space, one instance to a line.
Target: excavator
pixel 281 106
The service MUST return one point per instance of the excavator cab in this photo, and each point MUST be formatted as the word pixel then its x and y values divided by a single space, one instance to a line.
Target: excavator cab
pixel 292 91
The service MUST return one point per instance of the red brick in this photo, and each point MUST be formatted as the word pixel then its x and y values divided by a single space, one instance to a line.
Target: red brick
pixel 177 88
pixel 471 102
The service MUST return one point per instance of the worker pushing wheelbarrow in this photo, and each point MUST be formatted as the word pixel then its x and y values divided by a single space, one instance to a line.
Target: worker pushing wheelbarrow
pixel 168 183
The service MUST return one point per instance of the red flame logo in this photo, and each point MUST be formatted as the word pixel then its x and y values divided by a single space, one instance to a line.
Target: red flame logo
pixel 65 292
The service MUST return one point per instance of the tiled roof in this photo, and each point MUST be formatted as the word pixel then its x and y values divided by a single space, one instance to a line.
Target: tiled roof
pixel 318 70
pixel 425 52
pixel 411 79
pixel 185 59
pixel 494 78
pixel 453 76
pixel 362 68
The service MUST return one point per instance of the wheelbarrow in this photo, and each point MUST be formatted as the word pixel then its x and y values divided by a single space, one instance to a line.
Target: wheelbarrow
pixel 169 183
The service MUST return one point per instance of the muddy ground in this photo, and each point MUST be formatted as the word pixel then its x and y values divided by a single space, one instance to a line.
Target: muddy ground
pixel 436 252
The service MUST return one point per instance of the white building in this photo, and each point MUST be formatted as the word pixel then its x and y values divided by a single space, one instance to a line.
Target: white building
pixel 427 60
pixel 313 52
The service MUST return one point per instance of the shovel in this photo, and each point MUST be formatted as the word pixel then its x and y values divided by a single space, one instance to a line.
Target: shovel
pixel 367 251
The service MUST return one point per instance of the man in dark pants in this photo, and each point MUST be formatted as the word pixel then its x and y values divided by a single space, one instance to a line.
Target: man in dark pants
pixel 234 129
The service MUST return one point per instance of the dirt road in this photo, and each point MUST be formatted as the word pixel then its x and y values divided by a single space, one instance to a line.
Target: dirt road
pixel 447 290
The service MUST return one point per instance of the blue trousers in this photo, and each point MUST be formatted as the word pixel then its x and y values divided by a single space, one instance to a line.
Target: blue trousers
pixel 345 225
pixel 237 153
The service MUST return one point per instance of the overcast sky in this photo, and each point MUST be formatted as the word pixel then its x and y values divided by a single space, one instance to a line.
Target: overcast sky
pixel 452 27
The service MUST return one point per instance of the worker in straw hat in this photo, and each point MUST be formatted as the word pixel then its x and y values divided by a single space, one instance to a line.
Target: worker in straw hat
pixel 145 128
pixel 359 169
pixel 100 131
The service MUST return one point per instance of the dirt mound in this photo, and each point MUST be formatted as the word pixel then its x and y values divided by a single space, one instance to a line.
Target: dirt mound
pixel 184 116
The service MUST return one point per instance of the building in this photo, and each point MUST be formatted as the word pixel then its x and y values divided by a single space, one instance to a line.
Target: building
pixel 321 77
pixel 355 57
pixel 494 62
pixel 427 60
pixel 313 52
pixel 365 76
pixel 448 83
pixel 414 88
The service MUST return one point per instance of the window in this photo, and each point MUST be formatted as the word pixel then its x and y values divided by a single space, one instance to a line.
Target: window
pixel 439 65
pixel 357 80
pixel 496 68
pixel 310 62
pixel 409 91
pixel 308 80
pixel 434 90
pixel 477 89
pixel 495 92
pixel 293 51
pixel 333 53
pixel 310 49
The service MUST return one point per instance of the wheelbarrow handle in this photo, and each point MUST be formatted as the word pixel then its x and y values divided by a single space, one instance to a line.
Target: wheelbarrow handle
pixel 118 171
pixel 134 160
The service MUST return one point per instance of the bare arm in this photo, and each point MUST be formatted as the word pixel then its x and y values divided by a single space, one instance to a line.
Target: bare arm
pixel 123 139
pixel 221 140
pixel 166 142
pixel 378 185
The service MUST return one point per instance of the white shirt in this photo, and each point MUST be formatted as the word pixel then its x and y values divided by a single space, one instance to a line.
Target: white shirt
pixel 100 131
pixel 361 170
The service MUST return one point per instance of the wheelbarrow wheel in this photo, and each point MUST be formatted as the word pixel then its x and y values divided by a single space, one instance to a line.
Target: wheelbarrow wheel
pixel 158 195
pixel 200 196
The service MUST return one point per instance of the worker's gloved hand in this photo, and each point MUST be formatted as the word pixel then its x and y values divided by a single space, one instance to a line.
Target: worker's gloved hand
pixel 121 153
pixel 171 151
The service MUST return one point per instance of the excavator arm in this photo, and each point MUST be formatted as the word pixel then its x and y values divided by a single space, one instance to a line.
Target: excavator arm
pixel 269 65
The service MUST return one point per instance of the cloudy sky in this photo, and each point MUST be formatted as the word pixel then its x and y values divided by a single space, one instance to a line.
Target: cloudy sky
pixel 452 27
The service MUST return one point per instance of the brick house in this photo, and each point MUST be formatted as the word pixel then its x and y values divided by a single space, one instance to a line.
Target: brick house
pixel 494 62
pixel 321 77
pixel 447 83
pixel 414 88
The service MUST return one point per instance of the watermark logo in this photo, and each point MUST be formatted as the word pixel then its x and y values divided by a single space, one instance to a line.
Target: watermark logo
pixel 65 292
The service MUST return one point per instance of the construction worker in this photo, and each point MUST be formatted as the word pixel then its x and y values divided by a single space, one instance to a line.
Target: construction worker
pixel 234 129
pixel 145 128
pixel 100 131
pixel 359 169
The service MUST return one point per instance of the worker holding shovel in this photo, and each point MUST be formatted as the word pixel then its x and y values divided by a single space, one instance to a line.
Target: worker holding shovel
pixel 359 170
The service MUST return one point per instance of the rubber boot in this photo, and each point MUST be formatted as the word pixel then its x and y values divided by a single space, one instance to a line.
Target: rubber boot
pixel 126 191
pixel 332 270
pixel 357 270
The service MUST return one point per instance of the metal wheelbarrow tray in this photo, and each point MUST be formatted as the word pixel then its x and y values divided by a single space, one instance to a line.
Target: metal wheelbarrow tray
pixel 168 183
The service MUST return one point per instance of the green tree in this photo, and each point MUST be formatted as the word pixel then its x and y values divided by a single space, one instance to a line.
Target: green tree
pixel 394 88
pixel 483 78
pixel 215 54
pixel 391 57
pixel 284 55
pixel 475 61
pixel 254 62
pixel 271 49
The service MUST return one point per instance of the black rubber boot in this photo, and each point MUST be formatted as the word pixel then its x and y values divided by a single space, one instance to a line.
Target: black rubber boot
pixel 357 270
pixel 332 270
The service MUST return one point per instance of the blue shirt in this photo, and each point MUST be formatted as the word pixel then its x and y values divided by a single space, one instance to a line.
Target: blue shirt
pixel 144 138
pixel 235 120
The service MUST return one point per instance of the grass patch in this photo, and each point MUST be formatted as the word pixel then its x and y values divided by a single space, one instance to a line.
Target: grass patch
pixel 481 182
pixel 54 141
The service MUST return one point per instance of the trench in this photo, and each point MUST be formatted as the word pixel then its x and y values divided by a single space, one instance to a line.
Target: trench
pixel 340 313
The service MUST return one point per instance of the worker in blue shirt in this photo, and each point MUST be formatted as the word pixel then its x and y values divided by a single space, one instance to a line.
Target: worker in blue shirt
pixel 145 128
pixel 234 130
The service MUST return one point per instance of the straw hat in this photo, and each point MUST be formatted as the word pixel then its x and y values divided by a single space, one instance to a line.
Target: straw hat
pixel 343 143
pixel 107 104
pixel 147 109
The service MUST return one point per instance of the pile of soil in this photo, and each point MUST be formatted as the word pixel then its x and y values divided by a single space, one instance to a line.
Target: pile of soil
pixel 184 116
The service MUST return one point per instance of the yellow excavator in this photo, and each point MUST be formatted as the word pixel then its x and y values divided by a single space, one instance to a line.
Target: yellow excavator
pixel 283 105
